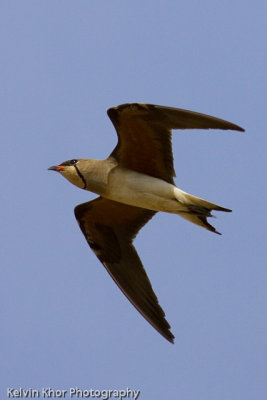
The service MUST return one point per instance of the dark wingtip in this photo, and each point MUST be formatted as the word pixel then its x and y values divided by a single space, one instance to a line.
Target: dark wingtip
pixel 171 340
pixel 168 336
pixel 166 333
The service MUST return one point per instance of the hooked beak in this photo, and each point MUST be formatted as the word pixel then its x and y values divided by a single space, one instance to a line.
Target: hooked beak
pixel 57 168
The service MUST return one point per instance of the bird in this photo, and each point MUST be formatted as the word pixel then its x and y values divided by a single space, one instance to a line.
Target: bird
pixel 134 183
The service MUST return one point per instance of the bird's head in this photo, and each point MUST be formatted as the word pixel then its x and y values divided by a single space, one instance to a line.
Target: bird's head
pixel 70 170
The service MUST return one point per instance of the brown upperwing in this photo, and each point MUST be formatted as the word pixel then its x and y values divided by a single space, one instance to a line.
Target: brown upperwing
pixel 109 228
pixel 144 135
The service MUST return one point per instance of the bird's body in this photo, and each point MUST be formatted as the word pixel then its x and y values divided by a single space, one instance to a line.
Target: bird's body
pixel 135 189
pixel 140 190
pixel 134 183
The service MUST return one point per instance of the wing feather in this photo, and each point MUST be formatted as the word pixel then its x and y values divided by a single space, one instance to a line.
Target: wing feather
pixel 144 135
pixel 109 228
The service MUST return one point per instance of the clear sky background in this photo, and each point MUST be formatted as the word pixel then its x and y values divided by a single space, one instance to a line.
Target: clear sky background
pixel 64 323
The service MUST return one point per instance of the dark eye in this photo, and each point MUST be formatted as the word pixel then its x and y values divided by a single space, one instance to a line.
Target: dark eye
pixel 73 162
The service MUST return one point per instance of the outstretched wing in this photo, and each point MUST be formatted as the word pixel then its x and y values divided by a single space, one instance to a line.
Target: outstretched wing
pixel 109 228
pixel 144 135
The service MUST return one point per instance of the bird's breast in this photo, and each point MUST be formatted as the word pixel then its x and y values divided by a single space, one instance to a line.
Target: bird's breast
pixel 140 190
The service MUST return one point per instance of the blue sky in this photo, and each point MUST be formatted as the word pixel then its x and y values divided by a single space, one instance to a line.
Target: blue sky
pixel 64 322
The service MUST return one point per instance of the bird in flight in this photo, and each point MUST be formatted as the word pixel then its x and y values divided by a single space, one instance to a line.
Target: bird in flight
pixel 133 184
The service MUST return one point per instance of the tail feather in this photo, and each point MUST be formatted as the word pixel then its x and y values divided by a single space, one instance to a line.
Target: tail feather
pixel 198 210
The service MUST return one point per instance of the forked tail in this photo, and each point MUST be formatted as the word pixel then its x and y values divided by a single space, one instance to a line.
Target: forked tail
pixel 198 210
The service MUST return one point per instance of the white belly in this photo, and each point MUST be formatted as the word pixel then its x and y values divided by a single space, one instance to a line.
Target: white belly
pixel 133 188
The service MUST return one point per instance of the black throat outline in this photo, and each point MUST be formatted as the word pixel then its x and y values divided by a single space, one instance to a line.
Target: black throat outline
pixel 81 176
